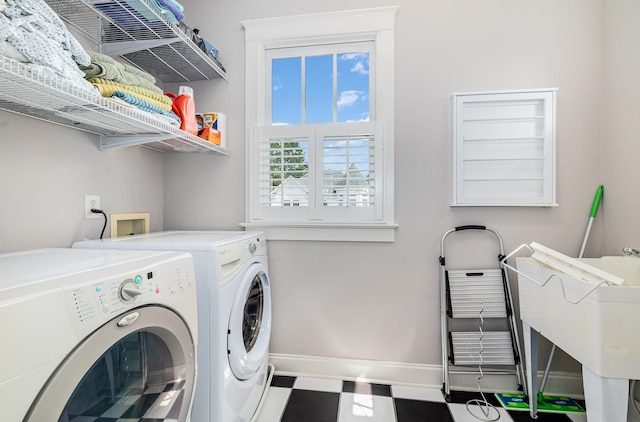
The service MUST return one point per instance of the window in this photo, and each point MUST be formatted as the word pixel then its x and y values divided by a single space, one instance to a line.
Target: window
pixel 320 125
pixel 328 171
pixel 504 148
pixel 319 84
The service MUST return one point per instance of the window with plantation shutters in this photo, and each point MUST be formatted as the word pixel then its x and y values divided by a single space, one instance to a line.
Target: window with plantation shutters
pixel 319 172
pixel 320 118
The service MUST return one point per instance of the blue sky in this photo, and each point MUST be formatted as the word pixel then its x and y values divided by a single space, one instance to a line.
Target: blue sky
pixel 352 99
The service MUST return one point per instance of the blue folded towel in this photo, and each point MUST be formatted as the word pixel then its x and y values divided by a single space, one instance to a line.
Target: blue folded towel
pixel 144 105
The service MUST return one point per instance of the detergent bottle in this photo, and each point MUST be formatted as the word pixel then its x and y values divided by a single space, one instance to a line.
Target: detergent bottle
pixel 184 107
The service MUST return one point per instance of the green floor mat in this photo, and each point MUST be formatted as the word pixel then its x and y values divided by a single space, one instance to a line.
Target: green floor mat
pixel 546 404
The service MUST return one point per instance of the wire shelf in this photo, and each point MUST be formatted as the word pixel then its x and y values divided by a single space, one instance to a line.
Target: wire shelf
pixel 35 92
pixel 140 34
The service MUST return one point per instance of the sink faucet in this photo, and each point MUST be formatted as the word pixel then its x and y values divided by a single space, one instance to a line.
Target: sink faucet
pixel 631 251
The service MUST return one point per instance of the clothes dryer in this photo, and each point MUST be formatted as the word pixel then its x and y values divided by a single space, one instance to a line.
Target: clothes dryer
pixel 97 335
pixel 234 302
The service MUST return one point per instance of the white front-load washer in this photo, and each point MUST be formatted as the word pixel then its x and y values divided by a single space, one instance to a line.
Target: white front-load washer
pixel 234 317
pixel 93 335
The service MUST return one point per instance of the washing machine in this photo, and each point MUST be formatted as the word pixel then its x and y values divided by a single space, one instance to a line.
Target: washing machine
pixel 93 335
pixel 234 317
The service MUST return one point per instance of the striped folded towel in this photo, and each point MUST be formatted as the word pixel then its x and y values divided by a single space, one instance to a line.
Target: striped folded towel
pixel 145 106
pixel 105 67
pixel 107 88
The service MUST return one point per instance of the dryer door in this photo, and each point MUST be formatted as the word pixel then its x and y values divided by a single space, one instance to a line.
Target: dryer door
pixel 250 323
pixel 129 369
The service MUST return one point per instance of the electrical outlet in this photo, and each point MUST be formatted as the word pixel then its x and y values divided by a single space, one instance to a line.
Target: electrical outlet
pixel 91 201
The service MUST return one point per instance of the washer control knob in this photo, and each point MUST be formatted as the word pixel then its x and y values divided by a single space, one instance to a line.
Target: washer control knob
pixel 129 291
pixel 253 248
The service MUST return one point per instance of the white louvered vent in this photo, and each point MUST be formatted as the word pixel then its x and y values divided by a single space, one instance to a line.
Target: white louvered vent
pixel 504 148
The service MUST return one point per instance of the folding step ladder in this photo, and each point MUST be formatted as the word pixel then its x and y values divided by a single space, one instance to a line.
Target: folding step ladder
pixel 470 298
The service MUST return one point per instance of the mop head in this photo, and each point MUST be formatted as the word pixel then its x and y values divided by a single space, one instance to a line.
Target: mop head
pixel 546 404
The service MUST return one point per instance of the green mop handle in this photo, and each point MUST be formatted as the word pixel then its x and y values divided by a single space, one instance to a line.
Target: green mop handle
pixel 592 216
pixel 596 201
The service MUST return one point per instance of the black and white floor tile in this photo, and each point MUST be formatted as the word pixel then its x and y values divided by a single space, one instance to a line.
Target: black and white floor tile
pixel 299 399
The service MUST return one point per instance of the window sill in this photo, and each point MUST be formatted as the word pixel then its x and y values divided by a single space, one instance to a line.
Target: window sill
pixel 507 204
pixel 326 232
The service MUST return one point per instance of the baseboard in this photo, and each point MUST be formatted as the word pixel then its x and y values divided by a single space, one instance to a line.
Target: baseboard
pixel 400 373
pixel 357 369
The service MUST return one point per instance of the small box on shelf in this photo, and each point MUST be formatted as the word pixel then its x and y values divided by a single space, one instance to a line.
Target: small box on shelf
pixel 210 134
pixel 217 125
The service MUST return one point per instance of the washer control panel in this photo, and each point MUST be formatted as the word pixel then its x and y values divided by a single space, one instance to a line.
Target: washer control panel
pixel 232 255
pixel 93 303
pixel 129 289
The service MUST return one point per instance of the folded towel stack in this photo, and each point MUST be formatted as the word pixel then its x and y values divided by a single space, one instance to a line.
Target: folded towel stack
pixel 105 67
pixel 31 32
pixel 107 88
pixel 145 14
pixel 129 84
pixel 172 6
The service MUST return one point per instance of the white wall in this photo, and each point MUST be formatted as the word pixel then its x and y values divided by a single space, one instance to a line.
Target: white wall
pixel 620 142
pixel 381 301
pixel 45 171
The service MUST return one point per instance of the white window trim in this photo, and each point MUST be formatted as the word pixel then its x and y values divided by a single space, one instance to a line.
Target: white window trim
pixel 343 26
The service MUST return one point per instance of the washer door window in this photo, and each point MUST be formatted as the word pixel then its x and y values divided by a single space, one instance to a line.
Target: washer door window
pixel 130 369
pixel 250 323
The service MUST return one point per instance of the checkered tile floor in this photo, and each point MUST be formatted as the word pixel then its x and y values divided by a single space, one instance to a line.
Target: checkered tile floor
pixel 291 399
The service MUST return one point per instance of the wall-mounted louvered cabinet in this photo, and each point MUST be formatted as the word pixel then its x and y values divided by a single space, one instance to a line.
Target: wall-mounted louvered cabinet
pixel 504 148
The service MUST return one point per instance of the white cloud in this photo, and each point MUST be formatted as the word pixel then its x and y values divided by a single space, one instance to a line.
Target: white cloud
pixel 276 84
pixel 348 98
pixel 364 118
pixel 360 62
pixel 359 68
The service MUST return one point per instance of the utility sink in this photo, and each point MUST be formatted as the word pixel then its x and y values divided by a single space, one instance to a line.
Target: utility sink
pixel 625 267
pixel 588 307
